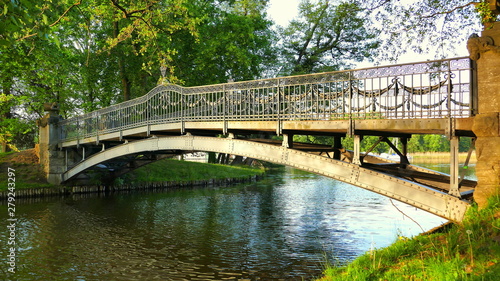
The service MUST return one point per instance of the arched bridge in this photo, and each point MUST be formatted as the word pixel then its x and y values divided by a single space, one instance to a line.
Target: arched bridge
pixel 240 118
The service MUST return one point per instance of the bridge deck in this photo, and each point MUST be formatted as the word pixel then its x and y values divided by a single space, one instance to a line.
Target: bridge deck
pixel 378 127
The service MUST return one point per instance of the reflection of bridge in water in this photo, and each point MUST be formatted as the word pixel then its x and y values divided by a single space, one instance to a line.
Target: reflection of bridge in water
pixel 396 101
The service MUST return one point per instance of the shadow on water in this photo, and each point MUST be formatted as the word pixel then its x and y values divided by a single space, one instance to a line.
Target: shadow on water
pixel 282 227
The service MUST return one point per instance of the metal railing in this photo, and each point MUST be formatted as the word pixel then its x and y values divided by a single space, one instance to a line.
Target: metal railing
pixel 433 89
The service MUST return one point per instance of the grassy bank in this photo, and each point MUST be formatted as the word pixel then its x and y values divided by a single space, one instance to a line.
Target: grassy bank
pixel 467 251
pixel 440 157
pixel 29 174
pixel 183 171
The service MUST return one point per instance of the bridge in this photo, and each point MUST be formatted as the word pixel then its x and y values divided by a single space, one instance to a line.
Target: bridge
pixel 258 119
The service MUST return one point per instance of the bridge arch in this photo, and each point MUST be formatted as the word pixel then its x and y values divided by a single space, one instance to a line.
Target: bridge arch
pixel 433 201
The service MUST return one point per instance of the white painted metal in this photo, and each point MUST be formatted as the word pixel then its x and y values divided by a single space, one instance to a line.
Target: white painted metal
pixel 417 195
pixel 454 173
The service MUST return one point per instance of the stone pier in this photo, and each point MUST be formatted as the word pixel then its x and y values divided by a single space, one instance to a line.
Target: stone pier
pixel 485 50
pixel 51 158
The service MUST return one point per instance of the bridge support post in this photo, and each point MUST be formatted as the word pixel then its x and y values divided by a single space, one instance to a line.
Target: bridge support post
pixel 454 172
pixel 287 140
pixel 486 127
pixel 356 159
pixel 337 145
pixel 51 158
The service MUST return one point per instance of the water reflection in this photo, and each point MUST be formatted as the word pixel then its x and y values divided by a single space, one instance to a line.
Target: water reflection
pixel 469 172
pixel 283 227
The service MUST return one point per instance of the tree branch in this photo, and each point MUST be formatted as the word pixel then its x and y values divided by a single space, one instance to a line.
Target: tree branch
pixel 130 14
pixel 450 11
pixel 115 3
pixel 54 23
pixel 379 5
pixel 311 33
pixel 65 12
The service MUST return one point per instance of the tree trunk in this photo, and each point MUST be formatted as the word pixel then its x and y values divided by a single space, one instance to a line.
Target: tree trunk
pixel 121 67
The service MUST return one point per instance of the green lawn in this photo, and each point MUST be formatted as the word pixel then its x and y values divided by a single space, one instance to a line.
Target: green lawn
pixel 27 173
pixel 183 171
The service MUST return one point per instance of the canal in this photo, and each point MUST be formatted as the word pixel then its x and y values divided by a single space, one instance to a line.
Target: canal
pixel 284 227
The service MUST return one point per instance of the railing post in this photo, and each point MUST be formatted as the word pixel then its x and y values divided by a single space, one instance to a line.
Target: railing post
pixel 279 129
pixel 449 89
pixel 224 110
pixel 96 128
pixel 473 88
pixel 182 111
pixel 148 114
pixel 349 106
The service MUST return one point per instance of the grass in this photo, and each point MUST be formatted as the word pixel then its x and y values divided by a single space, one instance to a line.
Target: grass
pixel 466 251
pixel 440 157
pixel 183 171
pixel 30 174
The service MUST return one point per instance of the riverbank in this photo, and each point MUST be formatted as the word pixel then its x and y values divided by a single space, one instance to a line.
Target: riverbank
pixel 467 251
pixel 30 179
pixel 440 157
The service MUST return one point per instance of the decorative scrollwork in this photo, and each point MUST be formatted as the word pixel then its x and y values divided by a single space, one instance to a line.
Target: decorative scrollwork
pixel 429 106
pixel 384 107
pixel 373 93
pixel 422 90
pixel 385 90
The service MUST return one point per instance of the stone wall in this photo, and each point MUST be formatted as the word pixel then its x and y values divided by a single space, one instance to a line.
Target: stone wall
pixel 486 126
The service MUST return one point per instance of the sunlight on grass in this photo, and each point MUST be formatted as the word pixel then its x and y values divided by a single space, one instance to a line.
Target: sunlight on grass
pixel 467 251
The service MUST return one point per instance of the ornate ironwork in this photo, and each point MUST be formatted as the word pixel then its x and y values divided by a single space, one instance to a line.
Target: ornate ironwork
pixel 435 89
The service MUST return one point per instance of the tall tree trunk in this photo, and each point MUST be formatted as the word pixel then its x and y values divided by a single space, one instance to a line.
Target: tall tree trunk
pixel 6 89
pixel 121 67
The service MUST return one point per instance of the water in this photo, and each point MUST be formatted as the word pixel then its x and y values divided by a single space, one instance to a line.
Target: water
pixel 283 227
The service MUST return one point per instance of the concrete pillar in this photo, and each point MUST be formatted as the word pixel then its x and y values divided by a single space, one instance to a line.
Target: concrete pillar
pixel 287 141
pixel 356 159
pixel 454 178
pixel 51 158
pixel 486 51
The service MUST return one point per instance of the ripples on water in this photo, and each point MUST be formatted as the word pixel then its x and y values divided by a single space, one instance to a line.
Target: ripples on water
pixel 283 227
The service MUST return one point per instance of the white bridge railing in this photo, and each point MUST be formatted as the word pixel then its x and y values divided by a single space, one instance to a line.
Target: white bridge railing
pixel 433 89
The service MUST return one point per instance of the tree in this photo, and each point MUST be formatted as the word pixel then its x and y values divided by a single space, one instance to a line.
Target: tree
pixel 86 55
pixel 67 51
pixel 327 36
pixel 423 26
pixel 235 41
pixel 135 34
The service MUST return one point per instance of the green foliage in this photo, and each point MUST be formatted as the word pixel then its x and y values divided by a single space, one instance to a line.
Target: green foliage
pixel 15 132
pixel 486 15
pixel 417 143
pixel 87 55
pixel 327 37
pixel 435 143
pixel 235 42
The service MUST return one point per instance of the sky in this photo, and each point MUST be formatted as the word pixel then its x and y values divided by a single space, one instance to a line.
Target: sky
pixel 282 11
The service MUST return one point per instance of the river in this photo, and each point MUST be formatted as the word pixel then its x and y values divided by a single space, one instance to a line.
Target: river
pixel 284 227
